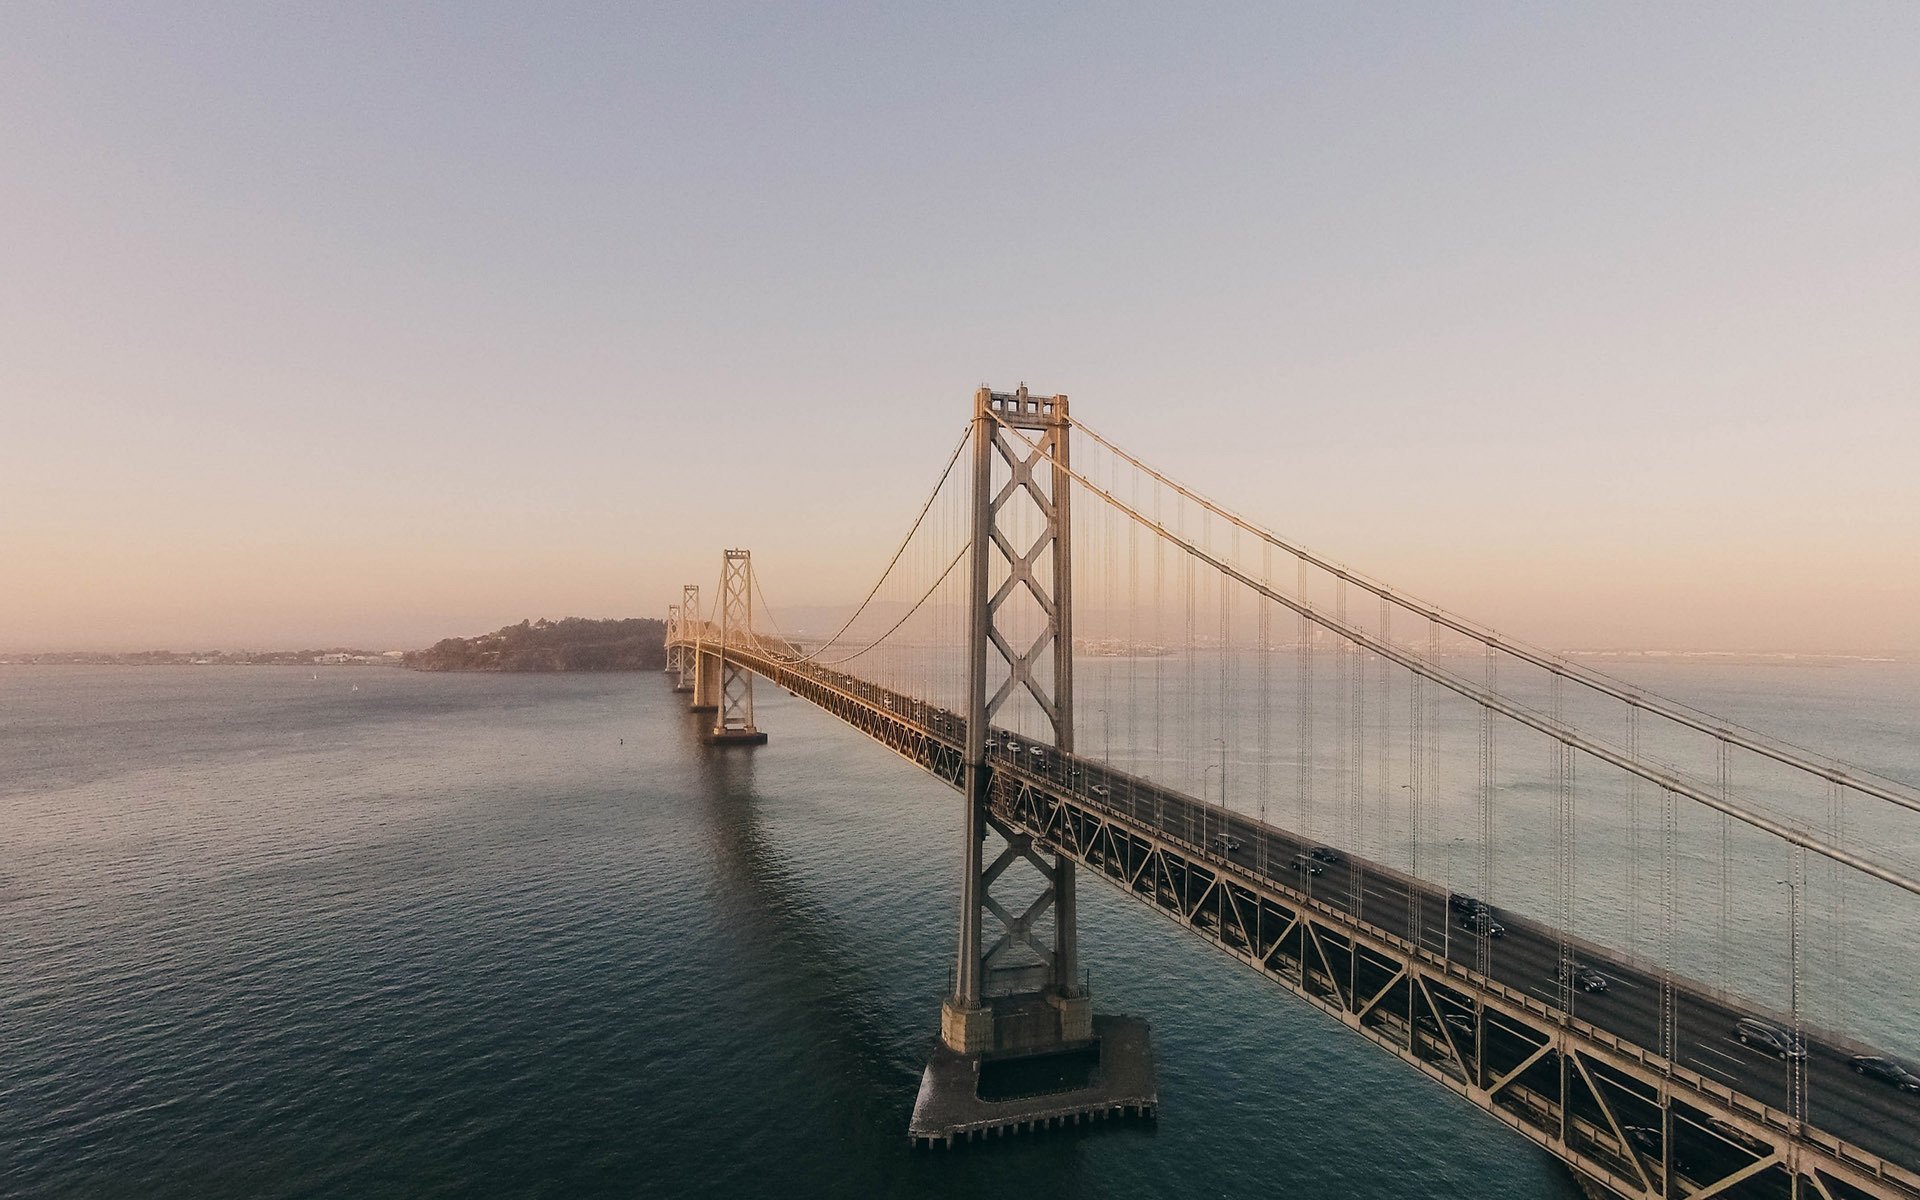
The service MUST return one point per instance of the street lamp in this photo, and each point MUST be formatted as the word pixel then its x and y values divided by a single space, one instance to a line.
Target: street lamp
pixel 1225 825
pixel 1210 767
pixel 1222 743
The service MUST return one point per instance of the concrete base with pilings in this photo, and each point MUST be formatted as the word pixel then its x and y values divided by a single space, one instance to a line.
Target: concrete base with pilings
pixel 732 737
pixel 1119 1085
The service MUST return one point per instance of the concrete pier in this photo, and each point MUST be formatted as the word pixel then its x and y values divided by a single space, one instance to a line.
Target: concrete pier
pixel 1108 1077
pixel 732 737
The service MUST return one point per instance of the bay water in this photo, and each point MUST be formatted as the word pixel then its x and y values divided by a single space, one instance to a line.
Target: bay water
pixel 357 932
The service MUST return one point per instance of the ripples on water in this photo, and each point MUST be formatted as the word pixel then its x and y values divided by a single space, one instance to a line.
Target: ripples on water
pixel 263 935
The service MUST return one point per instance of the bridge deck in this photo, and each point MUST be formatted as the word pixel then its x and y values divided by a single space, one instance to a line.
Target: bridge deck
pixel 1849 1108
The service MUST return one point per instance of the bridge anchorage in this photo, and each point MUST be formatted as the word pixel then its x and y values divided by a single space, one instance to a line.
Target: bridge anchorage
pixel 1687 938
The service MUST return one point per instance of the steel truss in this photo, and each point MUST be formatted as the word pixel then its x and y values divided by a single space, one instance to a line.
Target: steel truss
pixel 1605 1106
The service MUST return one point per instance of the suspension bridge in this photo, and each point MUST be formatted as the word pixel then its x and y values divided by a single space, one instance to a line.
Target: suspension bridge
pixel 1675 953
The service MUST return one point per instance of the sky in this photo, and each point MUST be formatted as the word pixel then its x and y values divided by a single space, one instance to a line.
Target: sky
pixel 371 324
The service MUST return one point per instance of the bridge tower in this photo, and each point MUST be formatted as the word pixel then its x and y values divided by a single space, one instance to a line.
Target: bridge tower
pixel 690 618
pixel 1021 995
pixel 673 632
pixel 733 684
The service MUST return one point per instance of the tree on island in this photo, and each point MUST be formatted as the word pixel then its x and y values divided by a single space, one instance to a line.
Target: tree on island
pixel 571 644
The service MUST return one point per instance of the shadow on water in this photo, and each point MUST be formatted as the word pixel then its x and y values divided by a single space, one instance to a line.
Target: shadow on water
pixel 782 926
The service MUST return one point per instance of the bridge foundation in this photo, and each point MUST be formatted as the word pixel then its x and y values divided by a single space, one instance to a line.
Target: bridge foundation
pixel 733 737
pixel 967 1097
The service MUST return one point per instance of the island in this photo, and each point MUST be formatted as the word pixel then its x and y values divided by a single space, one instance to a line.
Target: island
pixel 569 644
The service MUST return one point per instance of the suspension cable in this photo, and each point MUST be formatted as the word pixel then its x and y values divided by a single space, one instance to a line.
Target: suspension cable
pixel 907 616
pixel 1766 746
pixel 1669 779
pixel 891 563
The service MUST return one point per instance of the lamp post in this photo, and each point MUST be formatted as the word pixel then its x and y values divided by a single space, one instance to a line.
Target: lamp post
pixel 1226 825
pixel 1222 743
pixel 1210 767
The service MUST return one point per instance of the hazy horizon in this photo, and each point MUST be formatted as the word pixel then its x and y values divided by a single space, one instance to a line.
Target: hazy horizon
pixel 375 325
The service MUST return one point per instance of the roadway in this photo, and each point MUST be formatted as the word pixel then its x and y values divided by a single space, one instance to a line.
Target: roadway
pixel 1872 1115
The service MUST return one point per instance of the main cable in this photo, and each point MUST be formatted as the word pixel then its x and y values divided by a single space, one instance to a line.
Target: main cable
pixel 891 563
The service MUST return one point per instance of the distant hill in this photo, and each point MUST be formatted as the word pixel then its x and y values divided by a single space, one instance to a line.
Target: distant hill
pixel 572 644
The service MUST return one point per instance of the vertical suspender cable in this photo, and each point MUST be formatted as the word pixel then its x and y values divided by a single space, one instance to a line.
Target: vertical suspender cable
pixel 1265 748
pixel 1726 872
pixel 1385 722
pixel 1633 835
pixel 1304 702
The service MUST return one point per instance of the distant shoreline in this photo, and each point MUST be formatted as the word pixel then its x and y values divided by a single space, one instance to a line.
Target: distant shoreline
pixel 213 658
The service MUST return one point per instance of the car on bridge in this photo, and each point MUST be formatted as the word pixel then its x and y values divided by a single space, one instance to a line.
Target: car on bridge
pixel 1583 977
pixel 1460 1023
pixel 1887 1070
pixel 1224 843
pixel 1765 1035
pixel 1462 903
pixel 1311 866
pixel 1098 790
pixel 1328 855
pixel 1481 921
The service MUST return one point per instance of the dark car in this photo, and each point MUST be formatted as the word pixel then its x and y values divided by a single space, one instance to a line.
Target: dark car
pixel 1460 1023
pixel 1644 1137
pixel 1327 854
pixel 1467 904
pixel 1584 977
pixel 1302 863
pixel 1481 922
pixel 1887 1070
pixel 1765 1035
pixel 1225 843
